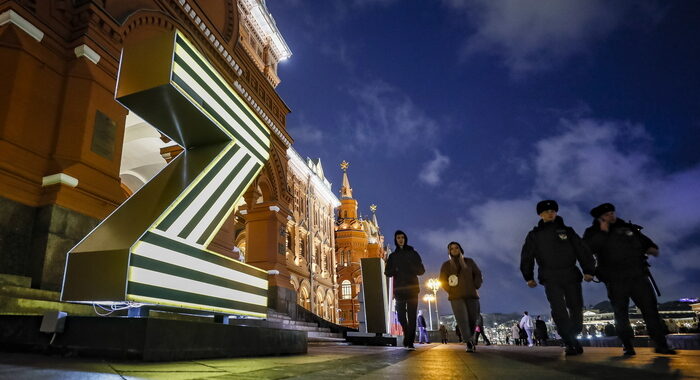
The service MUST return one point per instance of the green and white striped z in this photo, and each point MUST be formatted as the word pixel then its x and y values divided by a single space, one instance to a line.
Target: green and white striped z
pixel 170 265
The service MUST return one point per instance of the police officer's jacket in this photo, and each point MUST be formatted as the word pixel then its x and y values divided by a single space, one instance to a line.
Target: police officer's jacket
pixel 555 247
pixel 620 251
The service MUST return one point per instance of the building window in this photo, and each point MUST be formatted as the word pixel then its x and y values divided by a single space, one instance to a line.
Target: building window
pixel 346 289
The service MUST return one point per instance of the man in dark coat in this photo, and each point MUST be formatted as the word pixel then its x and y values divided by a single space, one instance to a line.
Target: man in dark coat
pixel 541 331
pixel 556 248
pixel 621 250
pixel 405 265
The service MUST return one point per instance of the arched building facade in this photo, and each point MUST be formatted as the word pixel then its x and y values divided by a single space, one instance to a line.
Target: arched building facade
pixel 311 237
pixel 70 153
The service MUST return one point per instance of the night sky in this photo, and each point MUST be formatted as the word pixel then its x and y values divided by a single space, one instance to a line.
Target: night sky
pixel 458 116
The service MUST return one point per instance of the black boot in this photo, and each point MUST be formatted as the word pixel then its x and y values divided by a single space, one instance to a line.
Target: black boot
pixel 627 348
pixel 663 348
pixel 570 350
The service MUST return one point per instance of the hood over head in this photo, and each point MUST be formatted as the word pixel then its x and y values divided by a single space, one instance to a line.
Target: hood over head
pixel 399 232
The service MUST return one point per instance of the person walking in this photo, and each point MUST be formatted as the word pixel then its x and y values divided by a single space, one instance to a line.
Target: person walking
pixel 443 333
pixel 461 278
pixel 556 248
pixel 540 331
pixel 422 329
pixel 458 333
pixel 479 330
pixel 515 332
pixel 621 250
pixel 404 265
pixel 527 324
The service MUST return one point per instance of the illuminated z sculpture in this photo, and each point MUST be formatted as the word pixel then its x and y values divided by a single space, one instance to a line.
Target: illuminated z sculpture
pixel 152 249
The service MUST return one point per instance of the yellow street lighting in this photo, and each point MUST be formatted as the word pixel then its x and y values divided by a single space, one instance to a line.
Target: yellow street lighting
pixel 434 285
pixel 428 298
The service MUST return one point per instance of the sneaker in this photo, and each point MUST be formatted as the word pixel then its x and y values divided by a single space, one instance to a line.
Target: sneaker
pixel 570 351
pixel 628 351
pixel 665 350
pixel 530 345
pixel 411 347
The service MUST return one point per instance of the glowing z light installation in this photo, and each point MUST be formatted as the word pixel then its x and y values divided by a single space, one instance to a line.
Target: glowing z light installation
pixel 152 249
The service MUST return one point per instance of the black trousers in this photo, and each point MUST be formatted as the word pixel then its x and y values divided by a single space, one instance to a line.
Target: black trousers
pixel 406 312
pixel 566 302
pixel 482 334
pixel 638 289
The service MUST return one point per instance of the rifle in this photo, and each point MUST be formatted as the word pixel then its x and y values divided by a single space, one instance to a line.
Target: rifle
pixel 645 261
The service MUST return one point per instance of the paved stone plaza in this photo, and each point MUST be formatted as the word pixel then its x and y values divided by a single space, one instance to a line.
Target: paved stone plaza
pixel 351 362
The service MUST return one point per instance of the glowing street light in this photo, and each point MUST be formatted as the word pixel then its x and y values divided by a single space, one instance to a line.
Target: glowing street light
pixel 434 285
pixel 427 298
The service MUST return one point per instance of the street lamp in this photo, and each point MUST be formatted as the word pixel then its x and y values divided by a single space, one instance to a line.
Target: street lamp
pixel 427 298
pixel 434 285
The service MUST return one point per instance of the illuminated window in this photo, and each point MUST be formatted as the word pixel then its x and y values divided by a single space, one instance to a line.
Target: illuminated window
pixel 346 289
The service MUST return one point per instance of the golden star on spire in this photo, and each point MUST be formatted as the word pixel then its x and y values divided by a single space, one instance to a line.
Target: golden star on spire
pixel 344 165
pixel 373 207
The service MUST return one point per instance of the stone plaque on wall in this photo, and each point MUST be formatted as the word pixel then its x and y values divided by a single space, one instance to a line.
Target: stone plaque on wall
pixel 103 134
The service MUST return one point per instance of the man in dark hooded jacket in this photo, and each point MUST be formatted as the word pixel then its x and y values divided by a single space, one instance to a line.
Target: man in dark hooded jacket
pixel 556 247
pixel 405 265
pixel 621 251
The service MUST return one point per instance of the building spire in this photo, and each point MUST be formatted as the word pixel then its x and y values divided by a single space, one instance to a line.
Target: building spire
pixel 345 190
pixel 373 208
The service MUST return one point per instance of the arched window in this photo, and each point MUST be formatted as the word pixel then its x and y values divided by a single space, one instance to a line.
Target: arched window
pixel 346 289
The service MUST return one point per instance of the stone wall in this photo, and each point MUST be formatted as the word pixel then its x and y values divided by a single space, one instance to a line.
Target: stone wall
pixel 34 242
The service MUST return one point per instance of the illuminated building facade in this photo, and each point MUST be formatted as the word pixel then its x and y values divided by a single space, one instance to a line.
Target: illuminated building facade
pixel 70 153
pixel 355 238
pixel 311 237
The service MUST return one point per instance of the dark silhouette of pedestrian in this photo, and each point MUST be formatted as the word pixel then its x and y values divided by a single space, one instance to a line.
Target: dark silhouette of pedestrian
pixel 422 329
pixel 556 248
pixel 541 331
pixel 405 265
pixel 443 333
pixel 621 250
pixel 479 331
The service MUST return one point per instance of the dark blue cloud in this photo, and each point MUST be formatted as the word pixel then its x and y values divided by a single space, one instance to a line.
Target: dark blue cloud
pixel 612 115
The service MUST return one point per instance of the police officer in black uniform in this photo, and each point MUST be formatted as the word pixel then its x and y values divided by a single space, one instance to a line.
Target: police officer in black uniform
pixel 621 249
pixel 556 247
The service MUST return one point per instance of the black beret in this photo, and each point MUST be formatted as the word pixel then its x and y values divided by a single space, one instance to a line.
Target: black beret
pixel 599 210
pixel 547 205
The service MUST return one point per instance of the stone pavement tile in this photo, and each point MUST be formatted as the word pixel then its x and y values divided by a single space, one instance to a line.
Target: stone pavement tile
pixel 350 362
pixel 161 367
pixel 263 362
pixel 595 363
pixel 165 370
pixel 41 367
pixel 347 363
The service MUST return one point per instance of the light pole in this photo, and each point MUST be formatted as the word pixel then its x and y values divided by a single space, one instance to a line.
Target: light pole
pixel 434 285
pixel 427 298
